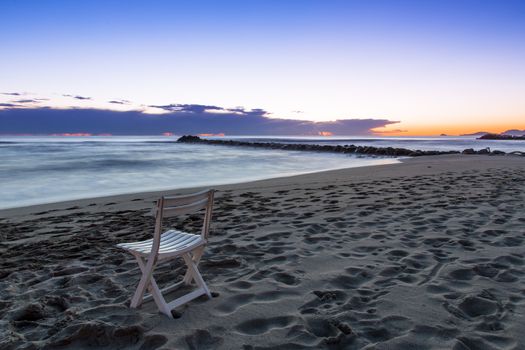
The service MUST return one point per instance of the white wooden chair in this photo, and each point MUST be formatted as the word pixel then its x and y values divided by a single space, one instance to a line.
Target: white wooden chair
pixel 169 245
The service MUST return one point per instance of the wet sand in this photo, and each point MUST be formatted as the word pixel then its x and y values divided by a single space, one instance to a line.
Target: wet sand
pixel 426 254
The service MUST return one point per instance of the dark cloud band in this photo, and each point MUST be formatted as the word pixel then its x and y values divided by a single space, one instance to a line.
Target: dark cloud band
pixel 182 119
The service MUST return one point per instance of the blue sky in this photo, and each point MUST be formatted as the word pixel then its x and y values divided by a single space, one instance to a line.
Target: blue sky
pixel 447 65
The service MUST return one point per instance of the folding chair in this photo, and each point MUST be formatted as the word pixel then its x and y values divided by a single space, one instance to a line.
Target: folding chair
pixel 170 245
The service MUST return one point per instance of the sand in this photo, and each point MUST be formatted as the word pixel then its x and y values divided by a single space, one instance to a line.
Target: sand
pixel 427 254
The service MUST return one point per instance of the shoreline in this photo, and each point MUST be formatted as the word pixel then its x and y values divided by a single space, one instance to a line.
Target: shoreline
pixel 357 173
pixel 189 189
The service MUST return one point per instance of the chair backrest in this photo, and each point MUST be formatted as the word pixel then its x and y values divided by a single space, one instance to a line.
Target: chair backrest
pixel 181 205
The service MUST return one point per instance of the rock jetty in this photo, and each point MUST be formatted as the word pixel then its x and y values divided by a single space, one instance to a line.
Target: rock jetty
pixel 351 149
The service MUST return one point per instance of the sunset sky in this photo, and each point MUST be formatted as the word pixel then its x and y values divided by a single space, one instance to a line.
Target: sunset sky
pixel 435 66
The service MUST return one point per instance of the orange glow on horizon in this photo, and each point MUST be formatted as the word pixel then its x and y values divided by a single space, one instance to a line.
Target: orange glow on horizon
pixel 73 134
pixel 205 135
pixel 325 133
pixel 449 130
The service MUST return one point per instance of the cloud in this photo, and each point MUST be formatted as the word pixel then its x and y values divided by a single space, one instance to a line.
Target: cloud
pixel 28 101
pixel 12 93
pixel 394 131
pixel 212 110
pixel 77 97
pixel 8 105
pixel 119 102
pixel 191 108
pixel 184 119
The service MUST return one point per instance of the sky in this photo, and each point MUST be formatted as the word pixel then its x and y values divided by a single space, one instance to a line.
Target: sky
pixel 447 66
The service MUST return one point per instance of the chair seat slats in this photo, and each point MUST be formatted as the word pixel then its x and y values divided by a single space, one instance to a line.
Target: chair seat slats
pixel 140 244
pixel 167 236
pixel 183 241
pixel 171 242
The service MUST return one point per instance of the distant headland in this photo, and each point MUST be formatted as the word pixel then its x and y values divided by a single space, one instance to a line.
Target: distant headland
pixel 512 134
pixel 491 136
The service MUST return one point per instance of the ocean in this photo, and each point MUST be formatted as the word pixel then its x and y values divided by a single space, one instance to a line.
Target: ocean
pixel 37 170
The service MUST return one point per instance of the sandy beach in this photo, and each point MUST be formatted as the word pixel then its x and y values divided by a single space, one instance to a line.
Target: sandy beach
pixel 425 254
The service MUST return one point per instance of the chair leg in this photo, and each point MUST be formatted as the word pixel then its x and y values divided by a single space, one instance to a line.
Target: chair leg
pixel 196 257
pixel 147 281
pixel 136 301
pixel 195 274
pixel 155 290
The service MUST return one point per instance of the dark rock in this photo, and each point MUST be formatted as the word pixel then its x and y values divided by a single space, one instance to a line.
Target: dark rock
pixel 484 151
pixel 517 153
pixel 469 151
pixel 189 138
pixel 415 153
